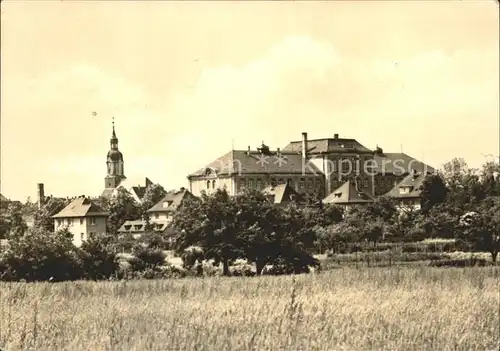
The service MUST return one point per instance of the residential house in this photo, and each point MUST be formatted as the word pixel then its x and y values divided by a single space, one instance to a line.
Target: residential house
pixel 350 194
pixel 160 215
pixel 283 194
pixel 407 193
pixel 257 169
pixel 392 168
pixel 82 218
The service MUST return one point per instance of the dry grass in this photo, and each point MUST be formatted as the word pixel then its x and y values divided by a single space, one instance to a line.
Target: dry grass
pixel 368 309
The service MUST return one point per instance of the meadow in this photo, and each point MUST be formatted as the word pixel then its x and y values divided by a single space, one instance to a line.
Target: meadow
pixel 343 309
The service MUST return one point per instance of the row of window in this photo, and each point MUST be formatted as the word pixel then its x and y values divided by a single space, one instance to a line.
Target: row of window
pixel 69 221
pixel 336 183
pixel 260 183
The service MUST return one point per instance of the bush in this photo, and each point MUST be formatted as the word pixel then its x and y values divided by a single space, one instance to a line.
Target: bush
pixel 41 255
pixel 148 256
pixel 153 240
pixel 467 262
pixel 98 259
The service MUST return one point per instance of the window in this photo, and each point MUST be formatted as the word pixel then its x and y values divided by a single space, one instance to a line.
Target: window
pixel 273 181
pixel 258 183
pixel 81 221
pixel 302 183
pixel 366 184
pixel 310 183
pixel 250 183
pixel 92 221
pixel 92 235
pixel 242 183
pixel 281 181
pixel 289 181
pixel 213 184
pixel 208 184
pixel 157 215
pixel 82 236
pixel 346 165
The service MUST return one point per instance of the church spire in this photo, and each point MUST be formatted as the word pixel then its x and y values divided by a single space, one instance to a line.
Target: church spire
pixel 114 139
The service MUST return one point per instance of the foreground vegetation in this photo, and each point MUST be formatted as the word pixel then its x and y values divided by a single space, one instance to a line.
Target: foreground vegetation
pixel 346 309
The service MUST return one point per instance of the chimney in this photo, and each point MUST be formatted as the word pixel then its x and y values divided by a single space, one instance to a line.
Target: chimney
pixel 41 195
pixel 182 188
pixel 304 145
pixel 248 151
pixel 278 152
pixel 335 136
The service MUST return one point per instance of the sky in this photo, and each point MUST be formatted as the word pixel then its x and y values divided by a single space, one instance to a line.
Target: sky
pixel 185 81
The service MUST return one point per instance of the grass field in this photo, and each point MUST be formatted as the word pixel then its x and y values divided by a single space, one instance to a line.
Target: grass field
pixel 344 309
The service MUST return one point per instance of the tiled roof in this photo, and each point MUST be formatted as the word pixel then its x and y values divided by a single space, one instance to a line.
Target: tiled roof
pixel 240 162
pixel 171 201
pixel 399 164
pixel 80 207
pixel 414 184
pixel 328 145
pixel 282 193
pixel 348 193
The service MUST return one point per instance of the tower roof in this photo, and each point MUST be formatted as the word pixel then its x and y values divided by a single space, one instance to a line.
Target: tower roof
pixel 114 139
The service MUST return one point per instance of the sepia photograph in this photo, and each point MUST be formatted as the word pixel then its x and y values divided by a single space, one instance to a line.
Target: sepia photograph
pixel 249 175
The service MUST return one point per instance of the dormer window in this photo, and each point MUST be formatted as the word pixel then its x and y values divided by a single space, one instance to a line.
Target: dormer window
pixel 128 226
pixel 165 204
pixel 338 195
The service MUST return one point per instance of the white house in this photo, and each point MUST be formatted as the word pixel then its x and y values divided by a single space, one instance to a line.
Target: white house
pixel 82 218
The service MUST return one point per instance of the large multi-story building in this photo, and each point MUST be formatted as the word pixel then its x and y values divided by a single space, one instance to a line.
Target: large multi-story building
pixel 311 167
pixel 257 169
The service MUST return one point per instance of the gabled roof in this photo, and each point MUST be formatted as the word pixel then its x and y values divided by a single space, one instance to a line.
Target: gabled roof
pixel 255 162
pixel 413 182
pixel 171 201
pixel 328 145
pixel 81 207
pixel 282 193
pixel 399 163
pixel 3 198
pixel 348 193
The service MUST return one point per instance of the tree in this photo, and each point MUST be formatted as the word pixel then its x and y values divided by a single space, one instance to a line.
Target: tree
pixel 482 227
pixel 491 176
pixel 122 207
pixel 154 193
pixel 43 216
pixel 434 191
pixel 211 225
pixel 383 209
pixel 41 255
pixel 16 226
pixel 97 257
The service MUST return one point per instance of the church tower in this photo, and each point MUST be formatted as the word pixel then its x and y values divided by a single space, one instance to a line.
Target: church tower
pixel 114 162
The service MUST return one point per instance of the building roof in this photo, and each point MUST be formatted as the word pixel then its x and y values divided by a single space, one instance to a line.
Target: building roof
pixel 328 145
pixel 282 193
pixel 171 201
pixel 132 185
pixel 3 198
pixel 81 207
pixel 348 193
pixel 255 162
pixel 413 182
pixel 399 163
